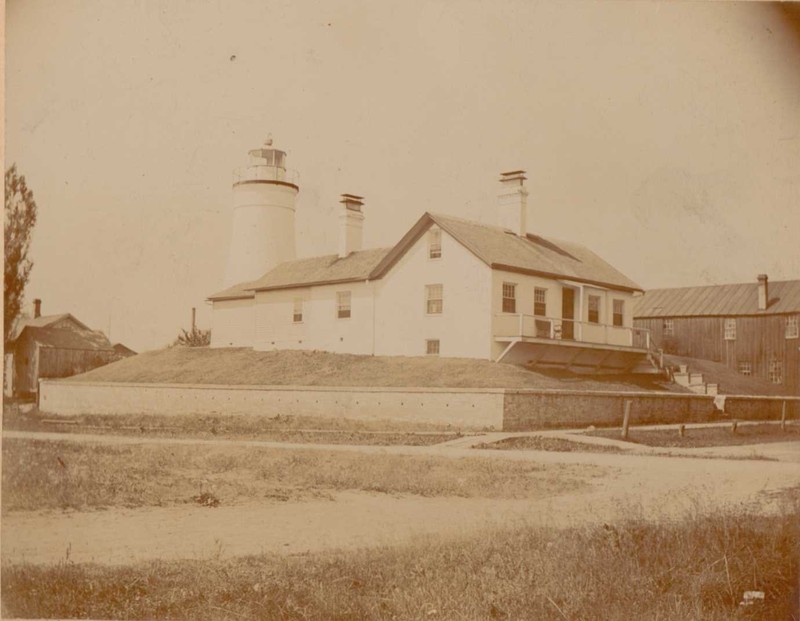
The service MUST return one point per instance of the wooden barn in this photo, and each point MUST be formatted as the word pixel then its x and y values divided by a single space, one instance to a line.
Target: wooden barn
pixel 52 346
pixel 752 328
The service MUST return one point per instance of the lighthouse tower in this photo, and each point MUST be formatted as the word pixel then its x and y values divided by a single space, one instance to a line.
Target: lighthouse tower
pixel 264 195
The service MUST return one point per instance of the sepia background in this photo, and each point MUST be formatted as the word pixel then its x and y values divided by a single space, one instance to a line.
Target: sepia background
pixel 664 136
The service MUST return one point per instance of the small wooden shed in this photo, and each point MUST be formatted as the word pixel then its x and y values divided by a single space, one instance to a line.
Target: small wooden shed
pixel 54 346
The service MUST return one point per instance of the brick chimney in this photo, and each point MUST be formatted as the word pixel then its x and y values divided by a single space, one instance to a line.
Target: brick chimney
pixel 512 203
pixel 351 224
pixel 763 292
pixel 37 308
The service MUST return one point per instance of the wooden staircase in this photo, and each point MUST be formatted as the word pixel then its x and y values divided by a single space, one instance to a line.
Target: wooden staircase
pixel 693 381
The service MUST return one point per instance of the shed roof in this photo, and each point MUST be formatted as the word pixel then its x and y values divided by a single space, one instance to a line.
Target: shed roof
pixel 68 339
pixel 42 322
pixel 719 300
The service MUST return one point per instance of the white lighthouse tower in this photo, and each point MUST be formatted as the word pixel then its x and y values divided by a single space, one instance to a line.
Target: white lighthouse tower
pixel 264 195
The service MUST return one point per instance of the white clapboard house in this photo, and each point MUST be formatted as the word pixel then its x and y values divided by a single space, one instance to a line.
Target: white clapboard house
pixel 448 287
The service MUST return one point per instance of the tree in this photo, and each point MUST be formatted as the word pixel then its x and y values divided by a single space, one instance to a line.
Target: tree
pixel 194 338
pixel 20 218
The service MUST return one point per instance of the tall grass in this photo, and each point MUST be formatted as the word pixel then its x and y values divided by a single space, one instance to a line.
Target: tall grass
pixel 59 475
pixel 697 568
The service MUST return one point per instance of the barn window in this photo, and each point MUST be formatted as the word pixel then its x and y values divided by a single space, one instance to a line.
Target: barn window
pixel 745 367
pixel 509 297
pixel 775 371
pixel 540 302
pixel 433 299
pixel 297 314
pixel 619 312
pixel 594 309
pixel 432 347
pixel 343 304
pixel 793 327
pixel 730 329
pixel 435 243
pixel 669 327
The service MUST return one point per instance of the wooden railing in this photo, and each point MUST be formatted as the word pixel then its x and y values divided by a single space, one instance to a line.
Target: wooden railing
pixel 517 325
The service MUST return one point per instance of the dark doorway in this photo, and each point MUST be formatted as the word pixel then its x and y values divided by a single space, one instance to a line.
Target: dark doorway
pixel 568 313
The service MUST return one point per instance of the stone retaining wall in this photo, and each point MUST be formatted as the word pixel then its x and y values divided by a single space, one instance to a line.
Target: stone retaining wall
pixel 463 408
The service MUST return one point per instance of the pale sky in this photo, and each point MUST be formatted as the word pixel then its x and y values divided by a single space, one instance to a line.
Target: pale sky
pixel 663 136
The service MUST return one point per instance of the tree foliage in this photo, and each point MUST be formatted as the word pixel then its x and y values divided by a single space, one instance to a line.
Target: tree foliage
pixel 194 338
pixel 20 218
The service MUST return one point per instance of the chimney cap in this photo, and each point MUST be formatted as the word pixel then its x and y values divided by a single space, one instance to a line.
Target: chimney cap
pixel 352 202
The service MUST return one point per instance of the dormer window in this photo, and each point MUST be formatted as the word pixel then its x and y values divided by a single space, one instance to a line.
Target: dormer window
pixel 435 243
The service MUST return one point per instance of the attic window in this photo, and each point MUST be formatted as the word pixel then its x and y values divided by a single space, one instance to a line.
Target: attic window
pixel 435 243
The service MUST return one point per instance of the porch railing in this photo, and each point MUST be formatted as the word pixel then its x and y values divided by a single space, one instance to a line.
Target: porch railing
pixel 516 325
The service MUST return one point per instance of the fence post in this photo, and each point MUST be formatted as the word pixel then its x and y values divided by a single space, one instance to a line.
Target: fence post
pixel 783 416
pixel 682 430
pixel 734 424
pixel 626 419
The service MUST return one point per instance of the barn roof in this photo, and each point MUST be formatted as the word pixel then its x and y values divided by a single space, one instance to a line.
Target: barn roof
pixel 68 339
pixel 501 249
pixel 719 300
pixel 327 269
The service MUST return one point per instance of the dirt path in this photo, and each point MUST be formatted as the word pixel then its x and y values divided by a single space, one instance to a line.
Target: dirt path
pixel 654 487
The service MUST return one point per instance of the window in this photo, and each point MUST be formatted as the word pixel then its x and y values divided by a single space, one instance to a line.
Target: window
pixel 433 299
pixel 435 243
pixel 730 329
pixel 793 327
pixel 297 314
pixel 669 327
pixel 619 312
pixel 540 302
pixel 594 309
pixel 343 304
pixel 775 371
pixel 509 297
pixel 432 347
pixel 745 367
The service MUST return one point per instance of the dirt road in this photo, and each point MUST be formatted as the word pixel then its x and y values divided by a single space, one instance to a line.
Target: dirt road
pixel 654 487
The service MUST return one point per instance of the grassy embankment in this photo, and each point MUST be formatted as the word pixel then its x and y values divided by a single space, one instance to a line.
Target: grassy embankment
pixel 698 568
pixel 199 365
pixel 706 436
pixel 59 475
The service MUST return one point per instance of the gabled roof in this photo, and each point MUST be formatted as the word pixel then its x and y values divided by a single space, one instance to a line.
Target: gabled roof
pixel 327 269
pixel 42 322
pixel 123 350
pixel 719 300
pixel 500 248
pixel 68 339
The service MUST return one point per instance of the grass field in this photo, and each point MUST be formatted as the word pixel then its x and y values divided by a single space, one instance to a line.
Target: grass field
pixel 298 429
pixel 65 475
pixel 707 436
pixel 540 443
pixel 197 365
pixel 697 568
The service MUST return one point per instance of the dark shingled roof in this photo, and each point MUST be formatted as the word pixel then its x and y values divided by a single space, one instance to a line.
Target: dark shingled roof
pixel 327 269
pixel 719 300
pixel 501 249
pixel 495 246
pixel 69 339
pixel 41 322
